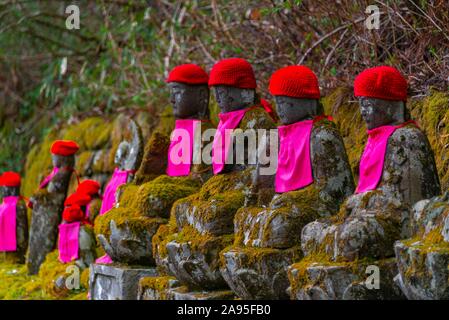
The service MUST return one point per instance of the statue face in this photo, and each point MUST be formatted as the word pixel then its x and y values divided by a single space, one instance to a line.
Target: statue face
pixel 121 154
pixel 232 99
pixel 63 161
pixel 9 191
pixel 291 110
pixel 189 101
pixel 379 112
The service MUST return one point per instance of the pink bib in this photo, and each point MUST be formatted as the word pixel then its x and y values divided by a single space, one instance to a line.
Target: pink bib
pixel 8 210
pixel 180 152
pixel 118 178
pixel 68 245
pixel 47 179
pixel 220 151
pixel 104 260
pixel 294 169
pixel 373 157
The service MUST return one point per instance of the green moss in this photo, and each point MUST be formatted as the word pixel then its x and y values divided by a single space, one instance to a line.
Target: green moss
pixel 432 114
pixel 349 122
pixel 121 216
pixel 204 243
pixel 38 164
pixel 157 284
pixel 433 241
pixel 17 285
pixel 90 134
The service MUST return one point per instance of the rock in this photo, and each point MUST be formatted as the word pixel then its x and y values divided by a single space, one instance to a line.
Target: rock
pixel 87 247
pixel 212 210
pixel 156 288
pixel 113 282
pixel 255 273
pixel 183 293
pixel 130 242
pixel 343 281
pixel 423 271
pixel 195 261
pixel 48 205
pixel 44 229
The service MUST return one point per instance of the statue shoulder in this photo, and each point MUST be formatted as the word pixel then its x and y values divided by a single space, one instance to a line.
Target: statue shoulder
pixel 257 118
pixel 324 134
pixel 410 137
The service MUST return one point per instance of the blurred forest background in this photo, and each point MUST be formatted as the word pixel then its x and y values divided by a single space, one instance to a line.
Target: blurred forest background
pixel 117 61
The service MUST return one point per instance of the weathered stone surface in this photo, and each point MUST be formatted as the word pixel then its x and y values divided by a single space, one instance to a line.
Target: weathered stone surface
pixel 423 272
pixel 255 273
pixel 195 261
pixel 44 229
pixel 156 288
pixel 212 210
pixel 114 282
pixel 183 293
pixel 280 224
pixel 423 261
pixel 48 205
pixel 87 247
pixel 168 288
pixel 130 245
pixel 349 281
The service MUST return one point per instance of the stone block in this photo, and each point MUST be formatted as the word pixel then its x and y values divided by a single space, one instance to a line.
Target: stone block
pixel 256 273
pixel 114 282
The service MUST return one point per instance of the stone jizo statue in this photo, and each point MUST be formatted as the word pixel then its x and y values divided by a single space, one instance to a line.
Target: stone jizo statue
pixel 397 169
pixel 313 178
pixel 189 95
pixel 13 219
pixel 48 204
pixel 204 220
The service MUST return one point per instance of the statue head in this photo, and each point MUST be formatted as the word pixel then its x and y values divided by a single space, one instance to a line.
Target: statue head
pixel 10 184
pixel 189 93
pixel 232 99
pixel 296 93
pixel 189 101
pixel 9 191
pixel 122 154
pixel 63 161
pixel 63 153
pixel 234 84
pixel 291 110
pixel 382 93
pixel 379 112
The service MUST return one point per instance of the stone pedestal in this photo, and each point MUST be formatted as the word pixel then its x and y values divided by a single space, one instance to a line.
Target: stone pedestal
pixel 423 271
pixel 344 281
pixel 113 282
pixel 168 288
pixel 258 273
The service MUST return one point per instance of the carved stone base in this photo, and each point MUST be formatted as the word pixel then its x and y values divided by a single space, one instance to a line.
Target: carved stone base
pixel 113 282
pixel 168 288
pixel 344 281
pixel 423 273
pixel 196 262
pixel 256 273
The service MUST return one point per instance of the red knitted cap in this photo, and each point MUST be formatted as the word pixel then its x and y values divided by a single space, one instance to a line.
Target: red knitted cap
pixel 381 82
pixel 89 187
pixel 10 179
pixel 64 147
pixel 188 73
pixel 72 214
pixel 234 72
pixel 77 198
pixel 296 82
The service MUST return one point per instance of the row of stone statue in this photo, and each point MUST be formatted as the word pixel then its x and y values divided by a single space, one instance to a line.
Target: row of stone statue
pixel 306 231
